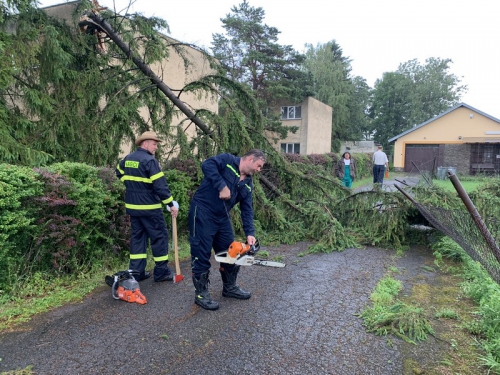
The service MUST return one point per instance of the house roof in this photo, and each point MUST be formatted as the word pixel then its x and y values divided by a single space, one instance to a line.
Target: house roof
pixel 441 115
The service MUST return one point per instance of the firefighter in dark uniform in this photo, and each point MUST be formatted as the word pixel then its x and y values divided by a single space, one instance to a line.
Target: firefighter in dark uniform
pixel 227 181
pixel 146 189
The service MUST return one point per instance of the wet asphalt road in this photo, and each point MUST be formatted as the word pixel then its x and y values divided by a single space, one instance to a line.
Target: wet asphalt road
pixel 301 319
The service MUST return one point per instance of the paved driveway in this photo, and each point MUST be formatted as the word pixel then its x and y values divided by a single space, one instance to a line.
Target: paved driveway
pixel 301 319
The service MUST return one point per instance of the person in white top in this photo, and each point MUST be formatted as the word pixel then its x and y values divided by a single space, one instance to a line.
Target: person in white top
pixel 380 163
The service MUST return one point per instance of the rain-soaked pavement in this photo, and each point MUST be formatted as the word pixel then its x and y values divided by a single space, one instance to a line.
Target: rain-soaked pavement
pixel 301 319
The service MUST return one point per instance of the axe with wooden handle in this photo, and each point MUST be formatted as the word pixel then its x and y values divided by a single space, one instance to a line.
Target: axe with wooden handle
pixel 178 277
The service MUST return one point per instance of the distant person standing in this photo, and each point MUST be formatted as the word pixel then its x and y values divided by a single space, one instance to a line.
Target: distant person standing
pixel 380 163
pixel 346 169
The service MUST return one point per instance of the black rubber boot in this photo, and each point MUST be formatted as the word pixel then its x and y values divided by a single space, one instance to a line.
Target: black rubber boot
pixel 230 288
pixel 202 297
pixel 143 276
pixel 162 272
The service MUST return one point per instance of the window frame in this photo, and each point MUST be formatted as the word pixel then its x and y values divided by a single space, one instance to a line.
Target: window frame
pixel 294 147
pixel 291 112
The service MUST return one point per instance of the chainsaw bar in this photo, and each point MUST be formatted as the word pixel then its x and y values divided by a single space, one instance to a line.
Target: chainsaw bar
pixel 268 263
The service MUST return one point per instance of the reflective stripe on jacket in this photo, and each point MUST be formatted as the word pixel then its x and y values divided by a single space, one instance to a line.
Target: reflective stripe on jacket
pixel 145 184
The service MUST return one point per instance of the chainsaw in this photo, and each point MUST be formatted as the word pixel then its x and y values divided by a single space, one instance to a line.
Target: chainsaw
pixel 242 254
pixel 125 287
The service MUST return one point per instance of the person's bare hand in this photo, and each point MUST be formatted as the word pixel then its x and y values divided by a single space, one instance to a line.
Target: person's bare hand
pixel 251 240
pixel 225 193
pixel 174 211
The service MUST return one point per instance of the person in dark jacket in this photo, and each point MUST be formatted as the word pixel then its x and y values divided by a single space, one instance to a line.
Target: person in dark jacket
pixel 146 189
pixel 345 169
pixel 227 182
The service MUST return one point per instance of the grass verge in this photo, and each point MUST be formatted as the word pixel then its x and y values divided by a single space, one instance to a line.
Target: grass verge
pixel 469 183
pixel 436 317
pixel 42 293
pixel 485 293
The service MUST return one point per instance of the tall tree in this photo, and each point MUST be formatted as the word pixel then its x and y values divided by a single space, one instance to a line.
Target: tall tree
pixel 334 86
pixel 413 94
pixel 435 88
pixel 359 105
pixel 249 53
pixel 391 106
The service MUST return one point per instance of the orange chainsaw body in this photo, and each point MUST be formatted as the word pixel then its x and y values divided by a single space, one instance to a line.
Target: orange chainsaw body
pixel 238 253
pixel 131 295
pixel 237 249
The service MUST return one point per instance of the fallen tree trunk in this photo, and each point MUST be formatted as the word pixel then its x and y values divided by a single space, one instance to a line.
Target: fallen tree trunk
pixel 113 35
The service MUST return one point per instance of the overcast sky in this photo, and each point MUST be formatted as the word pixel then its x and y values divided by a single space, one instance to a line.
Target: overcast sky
pixel 376 35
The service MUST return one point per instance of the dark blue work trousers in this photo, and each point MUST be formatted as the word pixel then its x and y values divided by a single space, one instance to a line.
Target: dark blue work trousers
pixel 378 173
pixel 154 228
pixel 207 232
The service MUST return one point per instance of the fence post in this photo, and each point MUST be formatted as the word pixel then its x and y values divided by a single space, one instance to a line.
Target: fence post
pixel 475 214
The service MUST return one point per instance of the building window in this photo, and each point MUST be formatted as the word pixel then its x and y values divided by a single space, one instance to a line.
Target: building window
pixel 488 154
pixel 290 148
pixel 291 112
pixel 485 153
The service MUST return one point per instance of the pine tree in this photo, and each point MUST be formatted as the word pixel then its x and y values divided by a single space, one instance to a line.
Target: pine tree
pixel 249 53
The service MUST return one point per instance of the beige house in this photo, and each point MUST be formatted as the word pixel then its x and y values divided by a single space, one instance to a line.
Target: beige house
pixel 314 121
pixel 461 137
pixel 171 71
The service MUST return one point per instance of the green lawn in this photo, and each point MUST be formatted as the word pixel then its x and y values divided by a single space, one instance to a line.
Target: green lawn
pixel 364 181
pixel 469 183
pixel 447 185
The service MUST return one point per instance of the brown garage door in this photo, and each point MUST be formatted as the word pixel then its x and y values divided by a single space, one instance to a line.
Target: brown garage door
pixel 425 157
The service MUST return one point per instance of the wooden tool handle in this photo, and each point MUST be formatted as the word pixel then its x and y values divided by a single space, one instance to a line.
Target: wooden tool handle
pixel 176 251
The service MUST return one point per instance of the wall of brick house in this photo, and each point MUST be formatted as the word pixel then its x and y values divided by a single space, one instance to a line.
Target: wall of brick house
pixel 458 156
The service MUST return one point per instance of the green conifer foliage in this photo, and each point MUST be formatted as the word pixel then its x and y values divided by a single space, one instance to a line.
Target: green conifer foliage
pixel 64 100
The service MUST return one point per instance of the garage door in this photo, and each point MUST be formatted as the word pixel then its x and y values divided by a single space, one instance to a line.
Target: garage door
pixel 425 157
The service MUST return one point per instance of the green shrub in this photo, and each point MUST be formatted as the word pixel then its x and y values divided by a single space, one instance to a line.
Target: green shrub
pixel 85 204
pixel 63 218
pixel 17 221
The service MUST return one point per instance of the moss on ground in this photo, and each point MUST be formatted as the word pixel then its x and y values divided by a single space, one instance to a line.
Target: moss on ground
pixel 452 349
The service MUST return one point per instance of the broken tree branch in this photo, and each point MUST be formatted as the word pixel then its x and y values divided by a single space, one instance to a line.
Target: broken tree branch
pixel 106 27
